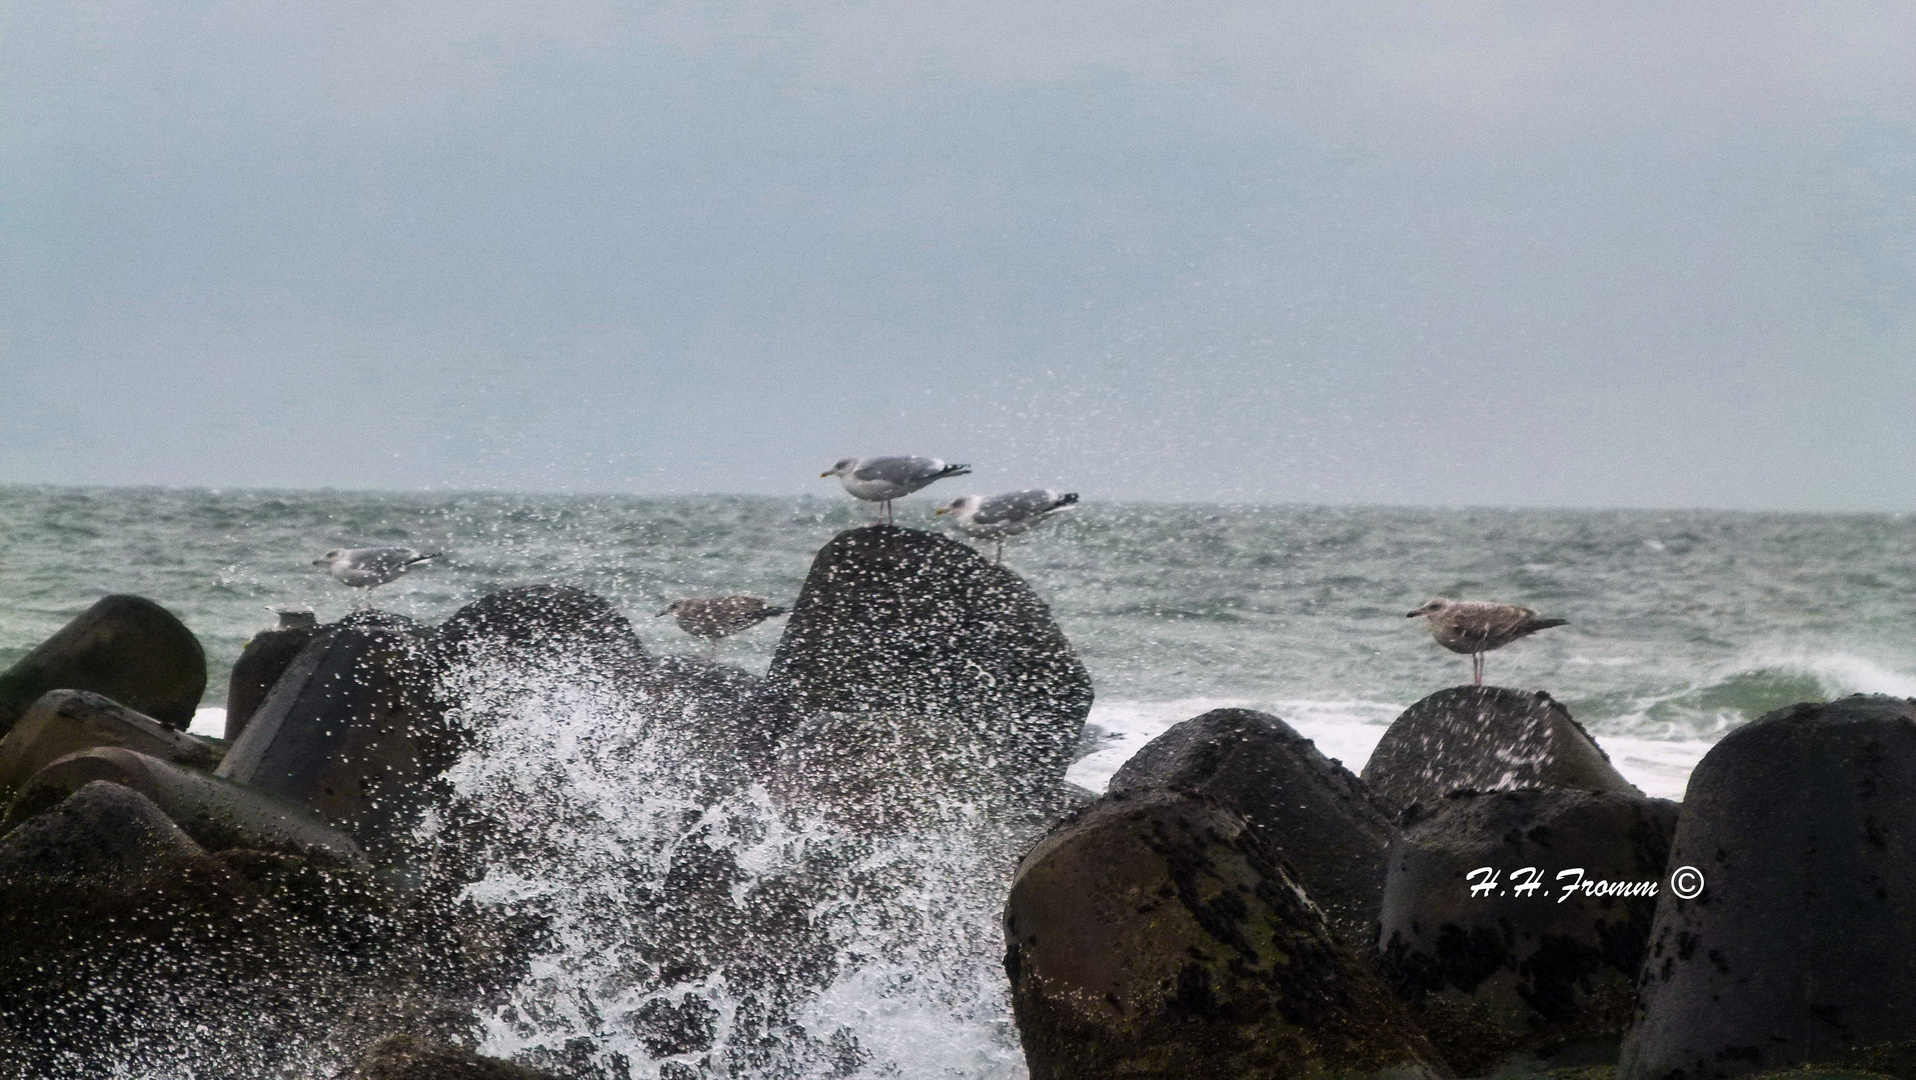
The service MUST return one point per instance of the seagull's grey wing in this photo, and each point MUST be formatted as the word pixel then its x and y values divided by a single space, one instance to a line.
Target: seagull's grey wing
pixel 898 470
pixel 1015 506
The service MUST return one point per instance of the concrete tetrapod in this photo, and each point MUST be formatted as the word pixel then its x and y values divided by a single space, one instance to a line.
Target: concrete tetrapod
pixel 125 647
pixel 1306 808
pixel 65 722
pixel 1153 937
pixel 1496 932
pixel 1485 738
pixel 1800 949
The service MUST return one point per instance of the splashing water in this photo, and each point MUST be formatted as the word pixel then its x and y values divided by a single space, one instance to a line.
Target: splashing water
pixel 691 928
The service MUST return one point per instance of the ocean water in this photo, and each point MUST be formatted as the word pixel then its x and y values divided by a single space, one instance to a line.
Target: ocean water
pixel 1683 624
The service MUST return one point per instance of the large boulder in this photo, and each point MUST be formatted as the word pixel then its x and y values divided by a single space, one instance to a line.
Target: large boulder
pixel 102 901
pixel 355 730
pixel 1153 936
pixel 64 722
pixel 900 621
pixel 260 664
pixel 219 814
pixel 1302 805
pixel 1801 947
pixel 545 625
pixel 1494 929
pixel 1486 738
pixel 124 647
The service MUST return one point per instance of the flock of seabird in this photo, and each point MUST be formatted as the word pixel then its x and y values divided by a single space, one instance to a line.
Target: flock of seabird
pixel 1472 627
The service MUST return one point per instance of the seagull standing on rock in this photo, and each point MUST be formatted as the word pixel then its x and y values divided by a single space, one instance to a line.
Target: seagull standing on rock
pixel 882 479
pixel 366 568
pixel 1005 515
pixel 1478 626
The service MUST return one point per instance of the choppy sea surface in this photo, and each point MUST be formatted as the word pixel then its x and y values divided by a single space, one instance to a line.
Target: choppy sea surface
pixel 1683 624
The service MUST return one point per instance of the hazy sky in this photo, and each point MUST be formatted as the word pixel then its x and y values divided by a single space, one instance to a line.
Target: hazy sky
pixel 1627 254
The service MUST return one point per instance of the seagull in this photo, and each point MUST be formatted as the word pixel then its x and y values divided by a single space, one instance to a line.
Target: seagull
pixel 365 568
pixel 1478 626
pixel 713 617
pixel 1004 515
pixel 882 479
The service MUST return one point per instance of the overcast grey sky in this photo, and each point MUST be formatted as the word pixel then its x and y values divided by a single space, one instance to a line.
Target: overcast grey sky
pixel 1624 254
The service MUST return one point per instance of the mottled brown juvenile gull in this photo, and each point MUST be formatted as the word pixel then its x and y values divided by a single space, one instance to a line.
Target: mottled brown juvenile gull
pixel 710 618
pixel 882 479
pixel 1005 515
pixel 1478 626
pixel 364 568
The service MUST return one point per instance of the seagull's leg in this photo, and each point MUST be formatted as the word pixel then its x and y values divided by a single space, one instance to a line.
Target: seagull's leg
pixel 1001 552
pixel 888 518
pixel 1477 668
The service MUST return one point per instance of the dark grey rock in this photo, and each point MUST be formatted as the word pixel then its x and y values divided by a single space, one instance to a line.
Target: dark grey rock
pixel 1801 949
pixel 1305 807
pixel 1512 971
pixel 1485 738
pixel 259 666
pixel 355 730
pixel 546 624
pixel 1152 936
pixel 64 722
pixel 900 622
pixel 219 814
pixel 404 1057
pixel 124 647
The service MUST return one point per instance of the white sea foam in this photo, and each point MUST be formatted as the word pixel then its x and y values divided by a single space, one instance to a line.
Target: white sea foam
pixel 209 720
pixel 1348 731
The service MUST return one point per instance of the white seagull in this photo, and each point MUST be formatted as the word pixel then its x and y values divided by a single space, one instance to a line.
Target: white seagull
pixel 882 479
pixel 1478 626
pixel 364 568
pixel 1005 515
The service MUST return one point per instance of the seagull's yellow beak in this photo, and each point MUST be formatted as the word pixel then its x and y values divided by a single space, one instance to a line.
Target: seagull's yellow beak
pixel 823 475
pixel 941 510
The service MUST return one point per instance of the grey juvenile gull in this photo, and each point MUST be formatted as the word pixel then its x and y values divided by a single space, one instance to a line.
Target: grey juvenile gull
pixel 1004 515
pixel 364 568
pixel 710 618
pixel 1478 626
pixel 882 479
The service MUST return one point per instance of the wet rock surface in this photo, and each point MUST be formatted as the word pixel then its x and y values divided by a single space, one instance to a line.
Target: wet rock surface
pixel 1801 948
pixel 126 648
pixel 899 621
pixel 1309 810
pixel 555 624
pixel 354 730
pixel 1154 936
pixel 1515 970
pixel 1485 738
pixel 405 1057
pixel 63 722
pixel 219 814
pixel 260 664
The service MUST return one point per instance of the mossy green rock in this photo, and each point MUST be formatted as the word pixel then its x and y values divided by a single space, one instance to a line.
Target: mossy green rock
pixel 1512 970
pixel 125 647
pixel 1153 936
